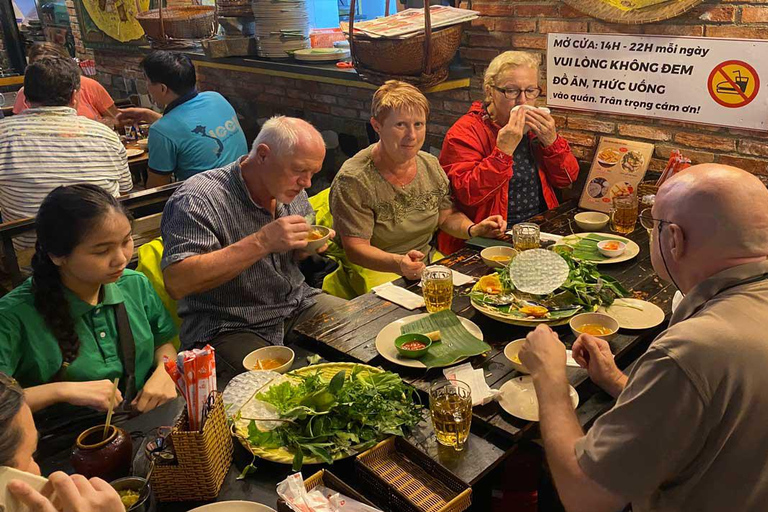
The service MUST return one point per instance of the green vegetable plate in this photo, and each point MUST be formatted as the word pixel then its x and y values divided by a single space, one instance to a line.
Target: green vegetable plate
pixel 313 399
pixel 584 247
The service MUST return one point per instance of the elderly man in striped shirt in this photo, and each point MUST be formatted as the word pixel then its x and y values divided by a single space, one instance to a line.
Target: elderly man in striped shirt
pixel 234 237
pixel 49 145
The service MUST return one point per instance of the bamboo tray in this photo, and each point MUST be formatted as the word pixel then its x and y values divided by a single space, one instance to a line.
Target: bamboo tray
pixel 403 478
pixel 282 455
pixel 330 481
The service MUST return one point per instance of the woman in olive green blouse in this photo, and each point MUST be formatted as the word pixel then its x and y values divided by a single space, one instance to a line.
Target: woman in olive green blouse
pixel 61 333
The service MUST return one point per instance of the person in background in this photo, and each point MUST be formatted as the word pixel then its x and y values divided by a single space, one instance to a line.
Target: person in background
pixel 49 145
pixel 233 240
pixel 197 131
pixel 83 319
pixel 389 199
pixel 501 162
pixel 18 444
pixel 687 432
pixel 93 101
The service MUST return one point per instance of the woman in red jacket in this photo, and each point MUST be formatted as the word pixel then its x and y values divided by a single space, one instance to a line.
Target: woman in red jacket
pixel 504 162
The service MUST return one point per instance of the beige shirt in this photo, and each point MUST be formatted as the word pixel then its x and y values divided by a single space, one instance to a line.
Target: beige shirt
pixel 395 219
pixel 690 430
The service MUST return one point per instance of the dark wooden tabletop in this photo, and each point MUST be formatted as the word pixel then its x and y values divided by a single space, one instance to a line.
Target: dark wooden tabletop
pixel 350 332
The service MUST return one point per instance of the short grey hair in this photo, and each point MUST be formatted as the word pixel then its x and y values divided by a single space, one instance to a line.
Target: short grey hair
pixel 280 133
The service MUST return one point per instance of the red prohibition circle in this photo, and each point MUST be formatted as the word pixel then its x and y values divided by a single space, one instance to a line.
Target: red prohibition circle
pixel 719 69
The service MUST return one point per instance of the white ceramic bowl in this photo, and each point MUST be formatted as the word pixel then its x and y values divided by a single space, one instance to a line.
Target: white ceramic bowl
pixel 611 253
pixel 142 143
pixel 234 506
pixel 601 319
pixel 497 251
pixel 591 221
pixel 273 352
pixel 511 352
pixel 314 245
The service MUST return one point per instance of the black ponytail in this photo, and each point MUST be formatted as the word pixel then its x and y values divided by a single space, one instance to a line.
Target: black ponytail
pixel 66 215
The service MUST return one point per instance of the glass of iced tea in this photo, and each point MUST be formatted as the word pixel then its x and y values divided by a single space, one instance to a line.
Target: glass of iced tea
pixel 450 405
pixel 624 214
pixel 526 236
pixel 437 286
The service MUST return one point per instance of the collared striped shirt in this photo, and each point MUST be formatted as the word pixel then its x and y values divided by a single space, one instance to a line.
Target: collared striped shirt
pixel 213 210
pixel 43 148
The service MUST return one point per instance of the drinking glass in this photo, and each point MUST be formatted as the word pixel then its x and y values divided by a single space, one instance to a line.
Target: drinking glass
pixel 526 236
pixel 437 286
pixel 450 405
pixel 623 214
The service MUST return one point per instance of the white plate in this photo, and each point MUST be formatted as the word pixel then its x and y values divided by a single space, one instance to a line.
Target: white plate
pixel 385 341
pixel 518 398
pixel 234 506
pixel 630 252
pixel 132 152
pixel 629 317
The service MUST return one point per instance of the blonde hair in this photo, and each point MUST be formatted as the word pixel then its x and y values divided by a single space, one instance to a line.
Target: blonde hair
pixel 394 95
pixel 503 62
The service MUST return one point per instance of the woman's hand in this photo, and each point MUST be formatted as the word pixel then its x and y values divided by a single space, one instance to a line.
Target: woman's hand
pixel 95 394
pixel 158 390
pixel 543 125
pixel 73 494
pixel 512 133
pixel 492 227
pixel 411 265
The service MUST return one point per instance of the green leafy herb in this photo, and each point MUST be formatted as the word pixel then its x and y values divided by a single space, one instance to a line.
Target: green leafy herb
pixel 331 419
pixel 585 248
pixel 588 287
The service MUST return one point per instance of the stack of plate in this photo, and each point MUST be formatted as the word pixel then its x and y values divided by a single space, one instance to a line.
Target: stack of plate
pixel 281 27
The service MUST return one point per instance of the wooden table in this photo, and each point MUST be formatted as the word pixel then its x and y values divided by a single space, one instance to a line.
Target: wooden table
pixel 350 332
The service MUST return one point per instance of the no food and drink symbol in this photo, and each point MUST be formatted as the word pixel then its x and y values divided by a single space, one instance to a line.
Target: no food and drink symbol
pixel 733 84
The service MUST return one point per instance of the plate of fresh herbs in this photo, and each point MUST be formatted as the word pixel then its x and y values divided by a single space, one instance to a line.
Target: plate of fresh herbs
pixel 583 246
pixel 328 412
pixel 585 289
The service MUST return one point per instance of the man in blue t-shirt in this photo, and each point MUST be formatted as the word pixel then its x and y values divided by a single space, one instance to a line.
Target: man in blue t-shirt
pixel 197 131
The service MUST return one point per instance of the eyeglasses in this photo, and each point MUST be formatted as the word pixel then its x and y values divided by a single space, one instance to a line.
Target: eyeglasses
pixel 647 220
pixel 512 94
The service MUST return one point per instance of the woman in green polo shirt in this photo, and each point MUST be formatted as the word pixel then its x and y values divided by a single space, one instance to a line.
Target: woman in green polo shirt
pixel 83 319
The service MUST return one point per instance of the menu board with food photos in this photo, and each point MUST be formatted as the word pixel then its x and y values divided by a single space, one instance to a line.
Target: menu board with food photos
pixel 618 167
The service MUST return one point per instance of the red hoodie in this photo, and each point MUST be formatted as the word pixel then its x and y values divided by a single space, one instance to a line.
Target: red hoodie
pixel 480 172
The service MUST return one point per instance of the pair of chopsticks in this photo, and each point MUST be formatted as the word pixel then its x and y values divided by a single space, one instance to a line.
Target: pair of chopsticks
pixel 111 409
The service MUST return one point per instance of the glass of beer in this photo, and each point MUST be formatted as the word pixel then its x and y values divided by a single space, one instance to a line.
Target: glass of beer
pixel 526 236
pixel 450 405
pixel 437 285
pixel 624 214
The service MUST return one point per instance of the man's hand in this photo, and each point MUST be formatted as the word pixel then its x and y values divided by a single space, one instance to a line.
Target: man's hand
pixel 411 265
pixel 94 394
pixel 284 234
pixel 594 354
pixel 492 227
pixel 543 353
pixel 510 135
pixel 73 494
pixel 542 124
pixel 158 390
pixel 137 115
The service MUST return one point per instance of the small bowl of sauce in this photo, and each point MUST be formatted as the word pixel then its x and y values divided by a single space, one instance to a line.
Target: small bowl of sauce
pixel 275 358
pixel 413 345
pixel 597 324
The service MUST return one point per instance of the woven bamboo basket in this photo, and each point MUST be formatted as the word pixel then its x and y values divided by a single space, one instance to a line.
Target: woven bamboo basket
pixel 189 22
pixel 403 478
pixel 421 60
pixel 202 460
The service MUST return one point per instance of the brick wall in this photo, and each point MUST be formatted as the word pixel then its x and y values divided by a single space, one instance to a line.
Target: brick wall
pixel 503 25
pixel 524 25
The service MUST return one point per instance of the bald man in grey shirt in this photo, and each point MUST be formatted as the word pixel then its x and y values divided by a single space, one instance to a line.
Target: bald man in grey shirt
pixel 687 432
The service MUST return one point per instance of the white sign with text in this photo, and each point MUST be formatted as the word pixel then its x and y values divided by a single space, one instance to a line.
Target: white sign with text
pixel 721 82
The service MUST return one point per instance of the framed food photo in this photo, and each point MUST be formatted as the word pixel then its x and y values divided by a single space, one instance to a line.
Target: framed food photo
pixel 618 167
